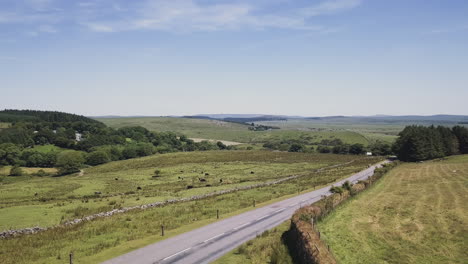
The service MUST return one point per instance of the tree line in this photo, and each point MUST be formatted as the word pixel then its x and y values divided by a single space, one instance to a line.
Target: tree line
pixel 418 143
pixel 97 143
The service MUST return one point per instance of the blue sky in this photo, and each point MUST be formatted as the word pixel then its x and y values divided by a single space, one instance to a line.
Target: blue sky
pixel 177 57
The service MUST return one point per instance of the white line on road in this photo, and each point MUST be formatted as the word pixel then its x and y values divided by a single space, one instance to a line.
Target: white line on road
pixel 180 252
pixel 239 227
pixel 213 237
pixel 262 217
pixel 277 211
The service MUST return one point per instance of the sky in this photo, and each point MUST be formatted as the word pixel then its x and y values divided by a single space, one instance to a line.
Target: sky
pixel 186 57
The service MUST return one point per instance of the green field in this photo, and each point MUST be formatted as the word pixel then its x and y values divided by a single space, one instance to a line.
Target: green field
pixel 219 130
pixel 386 132
pixel 67 197
pixel 418 213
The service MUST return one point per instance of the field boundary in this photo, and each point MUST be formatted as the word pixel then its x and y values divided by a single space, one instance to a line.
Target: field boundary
pixel 34 230
pixel 303 237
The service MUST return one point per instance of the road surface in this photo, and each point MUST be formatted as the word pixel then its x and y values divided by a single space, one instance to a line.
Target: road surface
pixel 212 241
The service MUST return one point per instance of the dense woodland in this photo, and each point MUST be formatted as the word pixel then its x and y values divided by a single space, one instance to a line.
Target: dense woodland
pixel 81 140
pixel 417 143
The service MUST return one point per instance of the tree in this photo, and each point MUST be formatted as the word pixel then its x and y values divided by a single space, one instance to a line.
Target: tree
pixel 97 157
pixel 296 148
pixel 356 149
pixel 417 143
pixel 129 152
pixel 323 149
pixel 69 162
pixel 462 135
pixel 16 171
pixel 341 149
pixel 9 154
pixel 221 145
pixel 380 148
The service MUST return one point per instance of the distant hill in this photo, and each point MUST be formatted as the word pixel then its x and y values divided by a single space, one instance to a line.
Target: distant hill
pixel 412 119
pixel 11 116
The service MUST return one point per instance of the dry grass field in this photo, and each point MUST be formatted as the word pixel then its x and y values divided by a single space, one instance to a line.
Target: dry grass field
pixel 418 213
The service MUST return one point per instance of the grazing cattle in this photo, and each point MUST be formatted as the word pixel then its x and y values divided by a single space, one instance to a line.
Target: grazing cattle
pixel 97 193
pixel 252 172
pixel 116 179
pixel 220 180
pixel 189 186
pixel 138 188
pixel 207 174
pixel 202 180
pixel 36 194
pixel 208 185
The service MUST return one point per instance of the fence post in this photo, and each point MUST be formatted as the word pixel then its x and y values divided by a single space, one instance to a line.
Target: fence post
pixel 162 230
pixel 71 257
pixel 253 203
pixel 217 213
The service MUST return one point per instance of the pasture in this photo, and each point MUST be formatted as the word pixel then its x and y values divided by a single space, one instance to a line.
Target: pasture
pixel 386 132
pixel 71 196
pixel 219 130
pixel 418 213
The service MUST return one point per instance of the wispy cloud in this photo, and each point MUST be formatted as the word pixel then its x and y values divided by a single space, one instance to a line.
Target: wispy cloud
pixel 171 15
pixel 189 15
pixel 456 28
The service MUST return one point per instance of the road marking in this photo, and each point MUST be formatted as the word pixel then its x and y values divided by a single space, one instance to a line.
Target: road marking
pixel 304 200
pixel 180 252
pixel 282 209
pixel 213 237
pixel 239 227
pixel 262 217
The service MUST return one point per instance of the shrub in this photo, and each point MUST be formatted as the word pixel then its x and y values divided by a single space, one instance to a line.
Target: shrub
pixel 41 173
pixel 347 185
pixel 16 171
pixel 97 157
pixel 69 162
pixel 336 189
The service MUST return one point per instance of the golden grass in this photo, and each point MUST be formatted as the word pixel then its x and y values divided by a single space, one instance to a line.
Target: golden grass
pixel 418 213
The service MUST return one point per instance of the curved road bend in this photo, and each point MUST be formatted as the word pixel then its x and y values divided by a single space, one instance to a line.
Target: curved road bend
pixel 212 241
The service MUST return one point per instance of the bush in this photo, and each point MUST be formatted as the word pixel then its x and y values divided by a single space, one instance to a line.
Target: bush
pixel 336 189
pixel 16 171
pixel 69 162
pixel 41 173
pixel 97 157
pixel 347 185
pixel 296 148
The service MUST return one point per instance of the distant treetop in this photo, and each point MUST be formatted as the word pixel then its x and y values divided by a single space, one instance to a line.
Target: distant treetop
pixel 11 116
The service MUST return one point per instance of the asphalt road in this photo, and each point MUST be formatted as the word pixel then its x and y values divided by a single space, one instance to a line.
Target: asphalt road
pixel 212 241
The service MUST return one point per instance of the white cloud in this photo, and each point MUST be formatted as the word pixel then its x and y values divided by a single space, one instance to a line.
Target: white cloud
pixel 330 7
pixel 171 15
pixel 188 15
